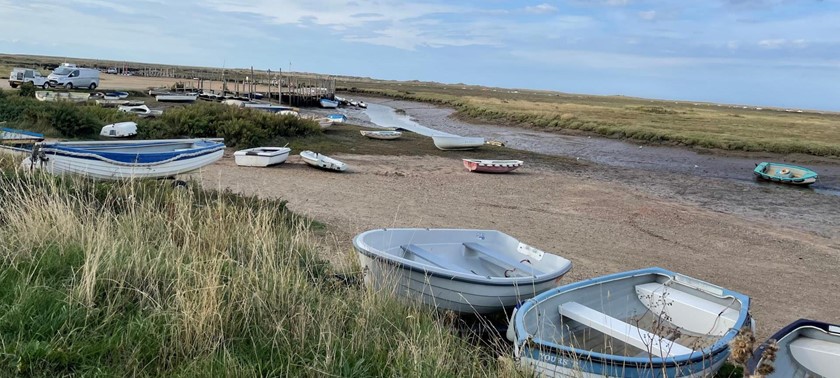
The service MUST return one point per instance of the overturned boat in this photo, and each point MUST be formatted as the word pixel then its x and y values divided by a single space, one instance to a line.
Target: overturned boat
pixel 114 160
pixel 322 161
pixel 381 134
pixel 261 156
pixel 457 142
pixel 119 130
pixel 492 166
pixel 468 271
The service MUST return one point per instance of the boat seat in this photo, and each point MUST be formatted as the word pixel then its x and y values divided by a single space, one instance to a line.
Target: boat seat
pixel 687 311
pixel 818 356
pixel 500 259
pixel 430 258
pixel 627 333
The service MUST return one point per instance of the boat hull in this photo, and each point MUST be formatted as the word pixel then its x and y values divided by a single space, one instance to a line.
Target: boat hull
pixel 323 162
pixel 492 166
pixel 261 157
pixel 383 135
pixel 457 143
pixel 119 130
pixel 94 166
pixel 176 98
pixel 785 173
pixel 468 271
pixel 328 104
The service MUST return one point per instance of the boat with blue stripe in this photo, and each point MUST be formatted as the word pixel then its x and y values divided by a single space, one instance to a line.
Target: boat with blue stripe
pixel 648 323
pixel 806 348
pixel 785 173
pixel 127 159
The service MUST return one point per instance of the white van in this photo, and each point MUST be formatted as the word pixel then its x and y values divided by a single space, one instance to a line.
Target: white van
pixel 69 76
pixel 26 75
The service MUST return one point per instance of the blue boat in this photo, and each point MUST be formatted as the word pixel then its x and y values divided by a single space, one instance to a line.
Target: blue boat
pixel 785 173
pixel 807 348
pixel 327 103
pixel 339 118
pixel 644 323
pixel 16 136
pixel 115 160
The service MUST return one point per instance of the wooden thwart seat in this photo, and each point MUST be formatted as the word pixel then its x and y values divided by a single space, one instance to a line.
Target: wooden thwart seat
pixel 501 260
pixel 818 356
pixel 629 334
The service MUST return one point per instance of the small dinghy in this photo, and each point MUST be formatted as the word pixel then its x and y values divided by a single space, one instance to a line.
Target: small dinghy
pixel 176 98
pixel 468 271
pixel 15 136
pixel 807 348
pixel 629 324
pixel 457 143
pixel 115 160
pixel 492 166
pixel 119 130
pixel 261 156
pixel 324 162
pixel 327 103
pixel 381 134
pixel 785 173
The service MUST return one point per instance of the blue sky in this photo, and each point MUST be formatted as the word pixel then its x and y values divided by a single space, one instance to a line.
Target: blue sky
pixel 762 52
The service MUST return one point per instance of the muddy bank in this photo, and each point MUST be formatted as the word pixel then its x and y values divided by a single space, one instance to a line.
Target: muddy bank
pixel 732 165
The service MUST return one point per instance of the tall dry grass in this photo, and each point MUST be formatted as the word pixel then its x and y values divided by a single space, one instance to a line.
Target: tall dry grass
pixel 139 278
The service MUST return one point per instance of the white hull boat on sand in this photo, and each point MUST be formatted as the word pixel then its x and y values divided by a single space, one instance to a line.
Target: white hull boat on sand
pixel 115 160
pixel 142 111
pixel 384 134
pixel 324 162
pixel 119 130
pixel 457 142
pixel 467 271
pixel 261 156
pixel 62 96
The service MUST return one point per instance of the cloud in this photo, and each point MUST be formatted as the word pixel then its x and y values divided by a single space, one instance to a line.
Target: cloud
pixel 648 15
pixel 542 8
pixel 782 43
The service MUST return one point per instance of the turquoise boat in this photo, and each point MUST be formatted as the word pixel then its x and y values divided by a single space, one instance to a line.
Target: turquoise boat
pixel 785 173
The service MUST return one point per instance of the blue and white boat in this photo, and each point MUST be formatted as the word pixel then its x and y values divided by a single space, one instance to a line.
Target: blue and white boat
pixel 16 136
pixel 643 323
pixel 807 348
pixel 18 141
pixel 337 118
pixel 115 160
pixel 785 173
pixel 327 103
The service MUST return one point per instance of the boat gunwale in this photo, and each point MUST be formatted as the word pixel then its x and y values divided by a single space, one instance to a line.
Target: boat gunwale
pixel 411 265
pixel 720 346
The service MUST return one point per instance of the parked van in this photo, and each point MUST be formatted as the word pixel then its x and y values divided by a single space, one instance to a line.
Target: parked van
pixel 69 76
pixel 26 75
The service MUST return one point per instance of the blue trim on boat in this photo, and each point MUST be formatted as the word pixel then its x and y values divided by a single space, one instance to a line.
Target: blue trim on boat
pixel 721 346
pixel 24 132
pixel 202 148
pixel 788 329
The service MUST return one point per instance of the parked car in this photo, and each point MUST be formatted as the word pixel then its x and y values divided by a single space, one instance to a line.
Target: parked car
pixel 18 76
pixel 69 76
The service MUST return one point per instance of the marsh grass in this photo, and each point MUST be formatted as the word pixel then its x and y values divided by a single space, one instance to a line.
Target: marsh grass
pixel 701 125
pixel 139 278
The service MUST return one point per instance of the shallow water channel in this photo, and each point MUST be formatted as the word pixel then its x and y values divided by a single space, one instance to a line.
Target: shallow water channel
pixel 431 120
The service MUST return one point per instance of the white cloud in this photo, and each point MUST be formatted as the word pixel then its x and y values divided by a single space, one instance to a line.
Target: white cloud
pixel 542 8
pixel 648 15
pixel 782 43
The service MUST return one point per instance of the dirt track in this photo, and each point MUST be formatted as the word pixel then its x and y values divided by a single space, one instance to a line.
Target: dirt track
pixel 602 226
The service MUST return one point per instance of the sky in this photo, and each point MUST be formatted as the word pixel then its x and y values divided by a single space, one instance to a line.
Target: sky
pixel 782 53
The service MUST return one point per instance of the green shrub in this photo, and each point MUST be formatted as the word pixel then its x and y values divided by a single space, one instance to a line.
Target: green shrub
pixel 27 90
pixel 240 127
